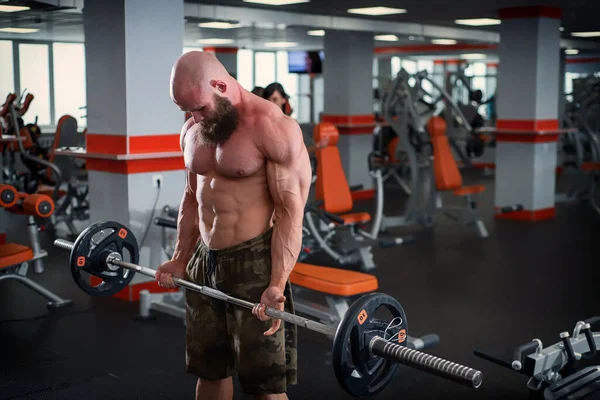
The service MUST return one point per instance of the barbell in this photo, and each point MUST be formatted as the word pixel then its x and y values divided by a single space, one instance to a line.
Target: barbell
pixel 366 351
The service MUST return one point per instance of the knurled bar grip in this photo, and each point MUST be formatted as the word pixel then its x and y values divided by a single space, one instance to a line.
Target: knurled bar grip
pixel 426 362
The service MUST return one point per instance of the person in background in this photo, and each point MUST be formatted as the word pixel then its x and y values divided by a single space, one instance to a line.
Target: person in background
pixel 259 91
pixel 276 94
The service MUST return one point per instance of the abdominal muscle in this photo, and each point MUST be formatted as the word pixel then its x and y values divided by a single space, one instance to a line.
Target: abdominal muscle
pixel 233 211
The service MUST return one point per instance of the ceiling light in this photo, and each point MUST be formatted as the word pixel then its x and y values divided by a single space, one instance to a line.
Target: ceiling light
pixel 586 34
pixel 411 38
pixel 376 11
pixel 478 21
pixel 572 51
pixel 319 32
pixel 281 44
pixel 386 38
pixel 443 41
pixel 19 30
pixel 214 41
pixel 13 8
pixel 218 25
pixel 562 28
pixel 276 2
pixel 473 56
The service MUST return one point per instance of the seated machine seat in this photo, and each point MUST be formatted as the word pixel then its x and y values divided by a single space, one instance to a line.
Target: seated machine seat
pixel 12 254
pixel 333 281
pixel 356 218
pixel 467 190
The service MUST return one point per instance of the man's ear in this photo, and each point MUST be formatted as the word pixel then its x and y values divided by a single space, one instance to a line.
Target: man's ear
pixel 219 85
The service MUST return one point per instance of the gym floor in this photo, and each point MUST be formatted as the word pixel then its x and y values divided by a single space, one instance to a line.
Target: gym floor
pixel 527 280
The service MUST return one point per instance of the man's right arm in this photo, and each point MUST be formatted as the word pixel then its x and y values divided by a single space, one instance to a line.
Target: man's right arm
pixel 188 230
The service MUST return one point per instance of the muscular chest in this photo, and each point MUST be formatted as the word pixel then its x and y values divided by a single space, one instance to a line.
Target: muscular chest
pixel 237 158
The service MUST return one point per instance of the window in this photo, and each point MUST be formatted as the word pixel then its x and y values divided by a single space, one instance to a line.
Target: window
pixel 34 76
pixel 245 68
pixel 264 75
pixel 69 81
pixel 303 115
pixel 7 73
pixel 410 66
pixel 425 65
pixel 395 66
pixel 288 81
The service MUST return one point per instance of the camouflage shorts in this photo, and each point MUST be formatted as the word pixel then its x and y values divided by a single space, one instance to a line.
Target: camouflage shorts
pixel 223 338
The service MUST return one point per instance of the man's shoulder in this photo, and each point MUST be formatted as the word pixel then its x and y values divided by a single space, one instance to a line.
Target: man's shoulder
pixel 186 126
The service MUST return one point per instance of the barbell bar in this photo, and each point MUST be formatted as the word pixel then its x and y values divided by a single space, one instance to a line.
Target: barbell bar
pixel 105 260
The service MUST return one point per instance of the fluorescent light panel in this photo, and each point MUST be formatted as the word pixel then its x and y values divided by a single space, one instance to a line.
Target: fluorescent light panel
pixel 443 41
pixel 281 44
pixel 318 32
pixel 377 11
pixel 586 34
pixel 386 38
pixel 473 56
pixel 276 2
pixel 218 25
pixel 13 8
pixel 19 30
pixel 572 51
pixel 478 21
pixel 214 41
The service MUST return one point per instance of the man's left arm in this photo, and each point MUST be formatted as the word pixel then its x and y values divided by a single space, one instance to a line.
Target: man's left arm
pixel 288 176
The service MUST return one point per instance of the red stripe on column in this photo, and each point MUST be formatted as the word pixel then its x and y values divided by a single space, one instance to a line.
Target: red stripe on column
pixel 154 143
pixel 528 125
pixel 492 65
pixel 527 215
pixel 222 50
pixel 588 60
pixel 530 12
pixel 349 119
pixel 127 167
pixel 525 138
pixel 132 291
pixel 433 47
pixel 106 144
pixel 438 62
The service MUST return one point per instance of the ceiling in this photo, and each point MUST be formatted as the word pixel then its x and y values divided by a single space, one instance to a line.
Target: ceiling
pixel 66 24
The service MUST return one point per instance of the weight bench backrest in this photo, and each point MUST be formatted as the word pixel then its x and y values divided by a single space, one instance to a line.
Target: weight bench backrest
pixel 447 175
pixel 331 185
pixel 66 136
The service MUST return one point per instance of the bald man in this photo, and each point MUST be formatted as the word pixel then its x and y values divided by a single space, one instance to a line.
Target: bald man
pixel 239 230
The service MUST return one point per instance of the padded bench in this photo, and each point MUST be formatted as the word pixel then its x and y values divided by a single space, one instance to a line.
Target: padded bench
pixel 338 285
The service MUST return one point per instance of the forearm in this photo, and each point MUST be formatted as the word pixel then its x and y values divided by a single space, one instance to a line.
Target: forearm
pixel 285 247
pixel 188 231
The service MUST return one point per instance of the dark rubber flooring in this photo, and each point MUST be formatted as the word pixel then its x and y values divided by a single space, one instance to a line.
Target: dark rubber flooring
pixel 527 280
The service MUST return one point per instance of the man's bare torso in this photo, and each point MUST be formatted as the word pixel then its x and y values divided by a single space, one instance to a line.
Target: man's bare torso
pixel 231 187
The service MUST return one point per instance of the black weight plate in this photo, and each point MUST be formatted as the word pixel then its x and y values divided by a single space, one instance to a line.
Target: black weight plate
pixel 91 257
pixel 356 370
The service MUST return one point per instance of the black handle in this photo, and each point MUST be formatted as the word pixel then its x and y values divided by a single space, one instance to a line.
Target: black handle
pixel 589 336
pixel 592 321
pixel 332 217
pixel 354 188
pixel 488 355
pixel 524 350
pixel 565 338
pixel 168 223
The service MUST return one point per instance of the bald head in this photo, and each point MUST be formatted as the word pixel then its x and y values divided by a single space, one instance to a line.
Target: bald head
pixel 201 85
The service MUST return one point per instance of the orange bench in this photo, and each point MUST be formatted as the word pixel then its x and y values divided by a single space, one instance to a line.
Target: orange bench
pixel 16 258
pixel 338 285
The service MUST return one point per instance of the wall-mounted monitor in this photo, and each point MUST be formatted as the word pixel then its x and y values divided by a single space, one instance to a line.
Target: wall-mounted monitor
pixel 305 62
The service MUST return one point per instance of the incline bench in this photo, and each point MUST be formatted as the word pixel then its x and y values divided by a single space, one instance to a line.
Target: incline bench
pixel 338 285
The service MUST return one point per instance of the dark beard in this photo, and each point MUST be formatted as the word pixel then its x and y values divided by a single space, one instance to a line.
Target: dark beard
pixel 218 128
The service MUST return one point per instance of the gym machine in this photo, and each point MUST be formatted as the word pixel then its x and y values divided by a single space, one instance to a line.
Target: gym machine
pixel 553 369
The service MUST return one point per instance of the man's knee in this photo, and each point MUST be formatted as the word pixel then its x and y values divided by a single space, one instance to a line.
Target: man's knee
pixel 219 390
